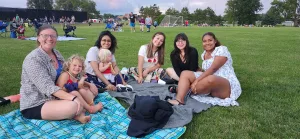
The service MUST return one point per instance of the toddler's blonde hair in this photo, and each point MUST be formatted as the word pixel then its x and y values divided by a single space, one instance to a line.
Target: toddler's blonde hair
pixel 67 64
pixel 103 54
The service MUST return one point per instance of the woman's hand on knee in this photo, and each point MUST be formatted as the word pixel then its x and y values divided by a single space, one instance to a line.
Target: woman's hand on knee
pixel 194 87
pixel 145 72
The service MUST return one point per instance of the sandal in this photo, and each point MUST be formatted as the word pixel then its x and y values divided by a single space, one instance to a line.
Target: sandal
pixel 4 101
pixel 172 88
pixel 101 90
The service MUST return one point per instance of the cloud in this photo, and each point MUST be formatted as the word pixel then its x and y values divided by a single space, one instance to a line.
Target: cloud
pixel 125 6
pixel 13 3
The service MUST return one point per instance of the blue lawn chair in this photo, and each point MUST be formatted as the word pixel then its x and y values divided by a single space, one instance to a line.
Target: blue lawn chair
pixel 3 29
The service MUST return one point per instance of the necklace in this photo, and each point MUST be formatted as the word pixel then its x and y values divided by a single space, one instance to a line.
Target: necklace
pixel 72 75
pixel 182 58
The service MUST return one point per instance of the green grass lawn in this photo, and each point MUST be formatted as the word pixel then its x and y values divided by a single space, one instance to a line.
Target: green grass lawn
pixel 265 62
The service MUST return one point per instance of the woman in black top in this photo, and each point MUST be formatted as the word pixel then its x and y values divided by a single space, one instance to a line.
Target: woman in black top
pixel 183 57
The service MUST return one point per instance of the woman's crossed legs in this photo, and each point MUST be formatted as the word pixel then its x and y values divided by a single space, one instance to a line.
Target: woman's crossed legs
pixel 63 109
pixel 215 85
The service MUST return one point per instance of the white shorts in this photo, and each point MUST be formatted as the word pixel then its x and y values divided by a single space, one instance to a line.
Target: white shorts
pixel 110 77
pixel 197 74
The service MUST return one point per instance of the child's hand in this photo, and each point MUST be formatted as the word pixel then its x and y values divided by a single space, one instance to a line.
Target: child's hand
pixel 84 77
pixel 81 81
pixel 109 63
pixel 113 73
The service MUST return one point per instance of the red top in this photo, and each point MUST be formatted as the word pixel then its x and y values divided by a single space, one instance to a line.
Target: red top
pixel 69 80
pixel 108 70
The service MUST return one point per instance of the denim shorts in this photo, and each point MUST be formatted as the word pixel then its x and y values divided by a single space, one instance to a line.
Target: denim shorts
pixel 132 24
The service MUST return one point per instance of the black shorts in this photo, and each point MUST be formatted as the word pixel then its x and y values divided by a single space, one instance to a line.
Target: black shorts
pixel 33 113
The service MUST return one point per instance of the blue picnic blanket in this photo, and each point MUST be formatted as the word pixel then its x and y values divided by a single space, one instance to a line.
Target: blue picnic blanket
pixel 111 122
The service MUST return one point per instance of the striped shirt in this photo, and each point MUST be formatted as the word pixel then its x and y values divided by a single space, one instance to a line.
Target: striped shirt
pixel 38 78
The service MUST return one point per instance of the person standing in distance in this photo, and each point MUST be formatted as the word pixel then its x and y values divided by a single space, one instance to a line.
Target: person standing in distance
pixel 132 21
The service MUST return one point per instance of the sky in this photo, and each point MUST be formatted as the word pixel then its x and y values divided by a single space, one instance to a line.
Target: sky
pixel 120 7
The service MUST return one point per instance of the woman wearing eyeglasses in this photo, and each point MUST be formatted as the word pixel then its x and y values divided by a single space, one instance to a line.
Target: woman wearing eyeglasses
pixel 106 40
pixel 150 59
pixel 40 97
pixel 183 57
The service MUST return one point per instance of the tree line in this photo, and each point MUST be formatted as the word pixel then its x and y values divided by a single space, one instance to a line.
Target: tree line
pixel 88 6
pixel 282 10
pixel 238 12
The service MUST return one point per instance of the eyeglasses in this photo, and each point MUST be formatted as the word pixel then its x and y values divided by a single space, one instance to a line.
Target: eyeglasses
pixel 181 41
pixel 106 40
pixel 46 36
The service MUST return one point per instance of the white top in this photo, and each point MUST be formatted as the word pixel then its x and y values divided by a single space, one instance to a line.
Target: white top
pixel 227 72
pixel 148 21
pixel 92 55
pixel 148 62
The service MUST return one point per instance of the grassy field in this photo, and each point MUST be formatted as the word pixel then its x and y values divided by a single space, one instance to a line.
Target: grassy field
pixel 265 62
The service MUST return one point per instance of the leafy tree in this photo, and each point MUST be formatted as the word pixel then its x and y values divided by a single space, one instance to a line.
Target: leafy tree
pixel 153 11
pixel 199 16
pixel 40 4
pixel 231 11
pixel 210 16
pixel 185 13
pixel 141 11
pixel 68 5
pixel 172 11
pixel 219 20
pixel 88 6
pixel 272 17
pixel 205 16
pixel 159 18
pixel 288 9
pixel 298 12
pixel 243 11
pixel 298 7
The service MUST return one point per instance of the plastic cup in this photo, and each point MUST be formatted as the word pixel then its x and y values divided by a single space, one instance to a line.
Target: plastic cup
pixel 161 82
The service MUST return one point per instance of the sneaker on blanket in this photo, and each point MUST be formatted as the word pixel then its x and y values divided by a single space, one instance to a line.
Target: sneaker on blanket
pixel 124 71
pixel 129 87
pixel 121 88
pixel 170 81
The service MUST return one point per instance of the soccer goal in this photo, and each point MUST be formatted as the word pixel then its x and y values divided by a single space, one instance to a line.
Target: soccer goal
pixel 171 21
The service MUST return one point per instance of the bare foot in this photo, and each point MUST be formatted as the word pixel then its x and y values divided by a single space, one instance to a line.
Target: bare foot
pixel 82 118
pixel 96 108
pixel 175 102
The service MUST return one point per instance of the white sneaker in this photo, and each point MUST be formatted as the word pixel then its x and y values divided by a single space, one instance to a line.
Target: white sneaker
pixel 124 71
pixel 129 87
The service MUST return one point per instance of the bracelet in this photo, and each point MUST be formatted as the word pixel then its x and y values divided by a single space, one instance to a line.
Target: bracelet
pixel 74 98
